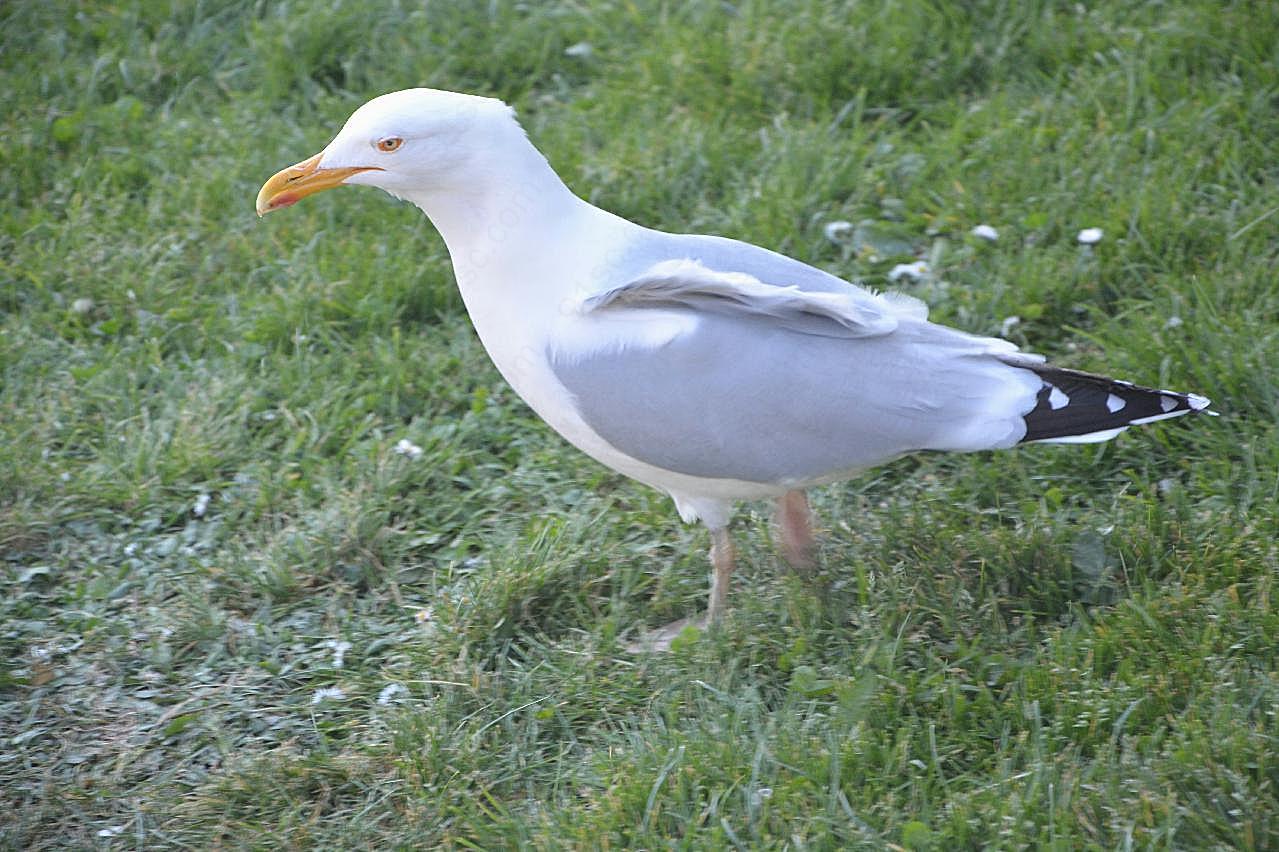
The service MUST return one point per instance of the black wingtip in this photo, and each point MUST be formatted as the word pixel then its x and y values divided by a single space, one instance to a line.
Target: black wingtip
pixel 1074 406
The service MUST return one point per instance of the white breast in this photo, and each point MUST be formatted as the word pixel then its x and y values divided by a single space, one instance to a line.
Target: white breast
pixel 520 330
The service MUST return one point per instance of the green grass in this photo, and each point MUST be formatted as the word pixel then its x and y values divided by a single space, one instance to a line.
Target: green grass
pixel 1053 647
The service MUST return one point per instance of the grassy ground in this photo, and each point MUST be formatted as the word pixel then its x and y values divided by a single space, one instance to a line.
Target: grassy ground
pixel 233 616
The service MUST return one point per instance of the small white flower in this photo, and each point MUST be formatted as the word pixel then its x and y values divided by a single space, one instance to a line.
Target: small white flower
pixel 581 50
pixel 424 616
pixel 837 231
pixel 388 693
pixel 985 232
pixel 113 831
pixel 913 271
pixel 407 448
pixel 1174 321
pixel 82 306
pixel 239 625
pixel 1008 325
pixel 131 548
pixel 328 693
pixel 201 505
pixel 1090 236
pixel 339 648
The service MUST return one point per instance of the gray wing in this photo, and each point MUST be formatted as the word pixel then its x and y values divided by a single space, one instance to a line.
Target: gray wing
pixel 721 254
pixel 690 284
pixel 770 386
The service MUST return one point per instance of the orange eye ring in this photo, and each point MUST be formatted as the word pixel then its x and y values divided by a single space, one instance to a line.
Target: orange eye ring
pixel 389 144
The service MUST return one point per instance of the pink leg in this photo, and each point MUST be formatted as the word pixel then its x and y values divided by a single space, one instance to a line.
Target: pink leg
pixel 795 522
pixel 722 557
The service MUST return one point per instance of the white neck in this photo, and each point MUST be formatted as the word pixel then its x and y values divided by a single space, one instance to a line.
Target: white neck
pixel 502 205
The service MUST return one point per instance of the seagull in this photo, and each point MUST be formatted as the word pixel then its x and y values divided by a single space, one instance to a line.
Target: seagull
pixel 711 369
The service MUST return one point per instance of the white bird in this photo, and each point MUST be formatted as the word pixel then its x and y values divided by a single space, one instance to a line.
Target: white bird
pixel 711 369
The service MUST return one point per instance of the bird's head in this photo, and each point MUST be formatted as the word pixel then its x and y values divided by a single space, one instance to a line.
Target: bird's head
pixel 401 142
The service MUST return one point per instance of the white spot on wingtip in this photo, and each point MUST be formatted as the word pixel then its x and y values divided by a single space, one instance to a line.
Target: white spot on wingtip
pixel 1090 438
pixel 1167 403
pixel 1197 402
pixel 1155 418
pixel 1114 403
pixel 1058 399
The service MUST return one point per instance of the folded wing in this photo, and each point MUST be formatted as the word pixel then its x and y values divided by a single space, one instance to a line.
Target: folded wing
pixel 689 284
pixel 767 382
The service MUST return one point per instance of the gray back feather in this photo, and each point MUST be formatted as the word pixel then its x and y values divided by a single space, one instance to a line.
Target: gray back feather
pixel 785 379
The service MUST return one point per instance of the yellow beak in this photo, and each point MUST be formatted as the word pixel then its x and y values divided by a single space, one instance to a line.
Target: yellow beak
pixel 291 185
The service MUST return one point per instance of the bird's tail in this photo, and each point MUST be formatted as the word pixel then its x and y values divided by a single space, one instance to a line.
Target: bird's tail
pixel 1080 408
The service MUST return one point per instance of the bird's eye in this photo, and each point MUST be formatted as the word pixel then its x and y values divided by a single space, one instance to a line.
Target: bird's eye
pixel 389 144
